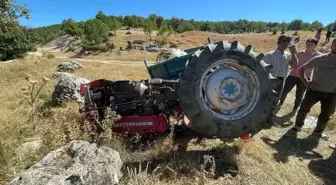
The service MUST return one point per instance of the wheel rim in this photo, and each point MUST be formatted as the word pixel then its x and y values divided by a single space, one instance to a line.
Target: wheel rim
pixel 229 90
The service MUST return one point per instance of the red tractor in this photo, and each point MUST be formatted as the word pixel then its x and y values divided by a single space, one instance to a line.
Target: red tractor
pixel 220 90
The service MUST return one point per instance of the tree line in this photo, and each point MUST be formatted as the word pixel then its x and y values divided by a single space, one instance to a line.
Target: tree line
pixel 15 39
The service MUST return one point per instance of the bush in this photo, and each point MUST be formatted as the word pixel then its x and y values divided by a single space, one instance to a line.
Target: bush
pixel 95 31
pixel 275 30
pixel 15 41
pixel 110 45
pixel 104 48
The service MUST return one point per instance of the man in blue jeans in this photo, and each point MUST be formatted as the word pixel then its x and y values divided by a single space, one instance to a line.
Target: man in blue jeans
pixel 293 79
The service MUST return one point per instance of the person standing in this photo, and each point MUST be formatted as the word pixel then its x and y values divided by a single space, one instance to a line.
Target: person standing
pixel 318 34
pixel 321 88
pixel 328 35
pixel 280 60
pixel 293 79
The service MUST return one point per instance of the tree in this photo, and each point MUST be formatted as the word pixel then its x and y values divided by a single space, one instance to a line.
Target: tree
pixel 284 26
pixel 114 24
pixel 69 26
pixel 206 26
pixel 316 25
pixel 185 26
pixel 306 26
pixel 149 27
pixel 133 21
pixel 15 40
pixel 101 16
pixel 165 32
pixel 95 32
pixel 331 25
pixel 261 27
pixel 159 21
pixel 296 24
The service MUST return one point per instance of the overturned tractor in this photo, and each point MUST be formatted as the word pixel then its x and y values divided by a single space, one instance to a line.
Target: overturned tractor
pixel 220 90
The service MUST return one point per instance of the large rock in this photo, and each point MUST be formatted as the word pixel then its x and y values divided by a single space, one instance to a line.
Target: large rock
pixel 79 162
pixel 69 66
pixel 61 75
pixel 67 88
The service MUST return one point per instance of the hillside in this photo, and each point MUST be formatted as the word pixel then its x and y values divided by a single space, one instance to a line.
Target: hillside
pixel 272 157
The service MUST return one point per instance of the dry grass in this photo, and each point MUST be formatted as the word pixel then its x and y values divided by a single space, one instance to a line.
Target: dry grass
pixel 269 158
pixel 127 56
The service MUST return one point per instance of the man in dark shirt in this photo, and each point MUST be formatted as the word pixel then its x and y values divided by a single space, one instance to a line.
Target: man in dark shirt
pixel 322 88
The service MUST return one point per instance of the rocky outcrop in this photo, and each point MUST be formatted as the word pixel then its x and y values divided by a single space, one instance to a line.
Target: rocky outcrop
pixel 79 162
pixel 67 88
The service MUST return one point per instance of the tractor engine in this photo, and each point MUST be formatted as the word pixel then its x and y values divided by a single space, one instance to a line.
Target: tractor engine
pixel 142 106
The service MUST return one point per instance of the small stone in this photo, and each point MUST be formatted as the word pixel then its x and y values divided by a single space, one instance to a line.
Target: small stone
pixel 69 66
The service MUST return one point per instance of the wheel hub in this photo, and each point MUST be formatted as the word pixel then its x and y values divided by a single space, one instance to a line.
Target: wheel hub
pixel 225 89
pixel 229 90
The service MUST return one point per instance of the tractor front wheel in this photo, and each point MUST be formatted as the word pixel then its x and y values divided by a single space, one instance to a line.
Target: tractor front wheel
pixel 225 90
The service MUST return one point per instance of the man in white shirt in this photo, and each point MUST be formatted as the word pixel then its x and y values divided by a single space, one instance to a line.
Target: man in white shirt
pixel 280 60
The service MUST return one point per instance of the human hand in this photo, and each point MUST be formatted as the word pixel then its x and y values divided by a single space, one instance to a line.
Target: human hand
pixel 309 85
pixel 292 49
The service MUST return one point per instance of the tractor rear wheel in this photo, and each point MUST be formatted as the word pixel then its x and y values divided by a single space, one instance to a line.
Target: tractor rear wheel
pixel 225 90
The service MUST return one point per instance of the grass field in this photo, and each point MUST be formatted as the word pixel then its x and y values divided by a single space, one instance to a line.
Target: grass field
pixel 272 157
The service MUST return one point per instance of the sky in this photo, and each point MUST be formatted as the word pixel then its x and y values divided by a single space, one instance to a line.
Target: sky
pixel 48 12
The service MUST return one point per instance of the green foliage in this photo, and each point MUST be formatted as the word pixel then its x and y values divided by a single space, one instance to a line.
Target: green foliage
pixel 46 34
pixel 316 25
pixel 208 26
pixel 110 45
pixel 149 27
pixel 275 30
pixel 101 16
pixel 70 27
pixel 11 12
pixel 178 25
pixel 165 31
pixel 296 24
pixel 330 25
pixel 133 21
pixel 185 26
pixel 15 40
pixel 95 32
pixel 114 24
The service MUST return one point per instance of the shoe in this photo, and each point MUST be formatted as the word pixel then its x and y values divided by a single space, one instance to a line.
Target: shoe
pixel 296 128
pixel 321 136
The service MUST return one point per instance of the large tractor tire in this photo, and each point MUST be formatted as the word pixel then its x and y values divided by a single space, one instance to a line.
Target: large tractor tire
pixel 225 90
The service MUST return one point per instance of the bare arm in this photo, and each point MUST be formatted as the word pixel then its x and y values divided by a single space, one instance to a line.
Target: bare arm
pixel 294 59
pixel 301 73
pixel 310 64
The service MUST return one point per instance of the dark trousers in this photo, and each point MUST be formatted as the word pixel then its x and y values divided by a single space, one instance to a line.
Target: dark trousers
pixel 292 81
pixel 328 104
pixel 278 88
pixel 328 36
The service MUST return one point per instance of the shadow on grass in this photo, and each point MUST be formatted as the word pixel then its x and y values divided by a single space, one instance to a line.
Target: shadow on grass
pixel 176 164
pixel 284 121
pixel 325 169
pixel 179 162
pixel 290 145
